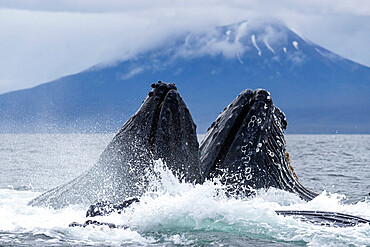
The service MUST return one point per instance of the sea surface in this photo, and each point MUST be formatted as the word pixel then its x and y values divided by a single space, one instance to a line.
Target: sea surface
pixel 180 214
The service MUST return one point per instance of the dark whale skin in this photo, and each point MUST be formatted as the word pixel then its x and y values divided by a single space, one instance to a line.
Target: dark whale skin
pixel 161 128
pixel 245 147
pixel 325 218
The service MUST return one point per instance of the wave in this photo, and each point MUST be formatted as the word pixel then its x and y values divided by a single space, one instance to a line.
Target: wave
pixel 175 213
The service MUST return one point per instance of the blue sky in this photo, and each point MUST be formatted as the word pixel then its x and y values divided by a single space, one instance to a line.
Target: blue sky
pixel 41 40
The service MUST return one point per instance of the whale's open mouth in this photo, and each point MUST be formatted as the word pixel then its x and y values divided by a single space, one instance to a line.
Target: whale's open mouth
pixel 246 146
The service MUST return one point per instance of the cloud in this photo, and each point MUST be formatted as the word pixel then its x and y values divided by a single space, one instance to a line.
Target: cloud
pixel 316 7
pixel 41 40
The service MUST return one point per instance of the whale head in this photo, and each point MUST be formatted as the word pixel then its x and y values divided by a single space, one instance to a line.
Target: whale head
pixel 162 128
pixel 245 147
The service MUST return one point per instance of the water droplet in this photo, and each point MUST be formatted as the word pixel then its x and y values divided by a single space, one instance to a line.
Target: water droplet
pixel 248 170
pixel 259 145
pixel 249 177
pixel 257 150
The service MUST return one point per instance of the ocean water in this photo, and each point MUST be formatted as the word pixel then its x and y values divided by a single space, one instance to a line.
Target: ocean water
pixel 178 214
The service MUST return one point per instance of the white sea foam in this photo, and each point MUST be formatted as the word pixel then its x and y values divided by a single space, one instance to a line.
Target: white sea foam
pixel 171 209
pixel 174 213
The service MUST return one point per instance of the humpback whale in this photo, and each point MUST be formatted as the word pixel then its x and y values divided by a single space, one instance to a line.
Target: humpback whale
pixel 161 128
pixel 244 148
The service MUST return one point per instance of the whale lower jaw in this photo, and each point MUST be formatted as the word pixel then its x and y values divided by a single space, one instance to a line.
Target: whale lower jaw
pixel 322 218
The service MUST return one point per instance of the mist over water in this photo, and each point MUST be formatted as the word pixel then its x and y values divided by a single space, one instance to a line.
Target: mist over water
pixel 175 213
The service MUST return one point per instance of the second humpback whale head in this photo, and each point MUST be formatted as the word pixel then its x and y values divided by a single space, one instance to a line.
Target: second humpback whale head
pixel 245 146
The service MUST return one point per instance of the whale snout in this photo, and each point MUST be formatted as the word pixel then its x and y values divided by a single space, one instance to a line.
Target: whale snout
pixel 246 147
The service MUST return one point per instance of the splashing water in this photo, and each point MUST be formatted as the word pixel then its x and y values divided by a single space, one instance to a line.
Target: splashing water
pixel 177 213
pixel 172 212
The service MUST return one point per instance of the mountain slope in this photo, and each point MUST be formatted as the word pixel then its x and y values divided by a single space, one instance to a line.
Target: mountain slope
pixel 319 91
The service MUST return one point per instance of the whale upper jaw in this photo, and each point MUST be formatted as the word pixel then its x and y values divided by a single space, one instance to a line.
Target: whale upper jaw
pixel 173 136
pixel 161 129
pixel 245 146
pixel 164 126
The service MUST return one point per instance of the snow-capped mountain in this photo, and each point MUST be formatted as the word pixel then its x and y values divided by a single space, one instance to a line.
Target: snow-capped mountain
pixel 319 91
